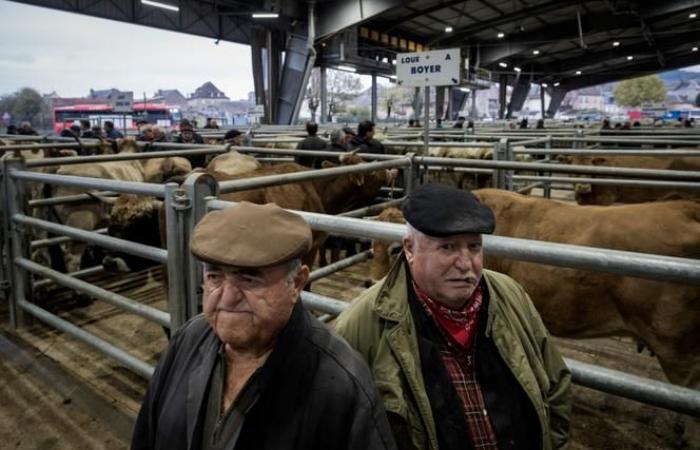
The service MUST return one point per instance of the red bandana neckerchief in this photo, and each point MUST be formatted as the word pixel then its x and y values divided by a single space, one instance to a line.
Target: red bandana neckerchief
pixel 459 324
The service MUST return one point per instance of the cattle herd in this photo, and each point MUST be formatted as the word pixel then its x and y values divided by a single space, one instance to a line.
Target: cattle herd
pixel 662 316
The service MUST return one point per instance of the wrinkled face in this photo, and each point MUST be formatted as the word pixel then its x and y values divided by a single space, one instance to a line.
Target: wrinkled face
pixel 247 308
pixel 448 269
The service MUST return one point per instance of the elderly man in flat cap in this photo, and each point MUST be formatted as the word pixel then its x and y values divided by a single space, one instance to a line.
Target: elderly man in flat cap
pixel 256 370
pixel 459 354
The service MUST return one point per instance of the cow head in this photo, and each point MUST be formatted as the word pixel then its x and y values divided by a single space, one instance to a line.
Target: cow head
pixel 127 145
pixel 136 219
pixel 345 192
pixel 587 193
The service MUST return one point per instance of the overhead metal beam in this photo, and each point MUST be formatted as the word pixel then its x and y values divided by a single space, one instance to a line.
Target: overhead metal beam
pixel 665 8
pixel 647 68
pixel 567 67
pixel 459 34
pixel 419 13
pixel 496 51
pixel 336 15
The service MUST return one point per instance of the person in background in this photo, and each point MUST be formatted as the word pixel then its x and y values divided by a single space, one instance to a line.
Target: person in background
pixel 86 130
pixel 146 133
pixel 311 142
pixel 96 131
pixel 523 123
pixel 234 136
pixel 606 124
pixel 111 132
pixel 211 124
pixel 256 370
pixel 364 141
pixel 438 123
pixel 188 136
pixel 67 132
pixel 460 122
pixel 159 135
pixel 25 128
pixel 540 124
pixel 462 356
pixel 411 123
pixel 11 129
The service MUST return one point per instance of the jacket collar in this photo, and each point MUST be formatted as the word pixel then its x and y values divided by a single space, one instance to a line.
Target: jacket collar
pixel 287 352
pixel 391 302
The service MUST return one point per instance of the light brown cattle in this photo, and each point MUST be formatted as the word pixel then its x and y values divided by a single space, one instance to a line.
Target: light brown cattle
pixel 330 195
pixel 584 304
pixel 592 194
pixel 233 163
pixel 90 215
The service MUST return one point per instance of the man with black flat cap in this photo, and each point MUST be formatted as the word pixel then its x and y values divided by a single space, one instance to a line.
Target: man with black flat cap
pixel 256 370
pixel 461 357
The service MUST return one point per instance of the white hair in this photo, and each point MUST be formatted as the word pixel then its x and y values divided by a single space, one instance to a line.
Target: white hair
pixel 413 234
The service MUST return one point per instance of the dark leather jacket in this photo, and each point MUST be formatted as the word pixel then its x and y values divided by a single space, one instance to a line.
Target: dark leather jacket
pixel 316 393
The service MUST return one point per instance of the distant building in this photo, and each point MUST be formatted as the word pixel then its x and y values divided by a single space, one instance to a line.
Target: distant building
pixel 684 91
pixel 106 94
pixel 171 97
pixel 206 96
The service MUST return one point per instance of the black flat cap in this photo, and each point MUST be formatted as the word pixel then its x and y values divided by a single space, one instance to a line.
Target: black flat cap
pixel 232 133
pixel 440 210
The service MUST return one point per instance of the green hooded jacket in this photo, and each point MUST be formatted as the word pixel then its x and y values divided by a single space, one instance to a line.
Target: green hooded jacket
pixel 379 325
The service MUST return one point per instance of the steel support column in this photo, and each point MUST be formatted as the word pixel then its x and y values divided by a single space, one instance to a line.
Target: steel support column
pixel 557 96
pixel 324 95
pixel 542 102
pixel 472 114
pixel 502 90
pixel 458 98
pixel 274 58
pixel 374 97
pixel 256 52
pixel 298 62
pixel 440 102
pixel 518 97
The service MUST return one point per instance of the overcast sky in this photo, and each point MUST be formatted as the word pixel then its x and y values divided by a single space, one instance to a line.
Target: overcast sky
pixel 50 50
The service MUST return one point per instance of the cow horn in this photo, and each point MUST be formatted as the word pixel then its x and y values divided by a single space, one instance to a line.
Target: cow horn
pixel 103 198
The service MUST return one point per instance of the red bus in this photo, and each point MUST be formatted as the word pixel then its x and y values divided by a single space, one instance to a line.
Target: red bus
pixel 155 113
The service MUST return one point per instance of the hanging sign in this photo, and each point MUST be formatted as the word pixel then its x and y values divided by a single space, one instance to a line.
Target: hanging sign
pixel 432 68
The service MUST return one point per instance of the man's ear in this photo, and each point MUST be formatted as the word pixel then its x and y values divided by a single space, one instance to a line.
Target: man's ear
pixel 300 280
pixel 408 248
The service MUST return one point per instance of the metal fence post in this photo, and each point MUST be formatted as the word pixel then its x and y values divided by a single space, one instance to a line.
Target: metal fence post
pixel 500 153
pixel 175 204
pixel 16 242
pixel 547 184
pixel 4 249
pixel 197 187
pixel 578 144
pixel 410 174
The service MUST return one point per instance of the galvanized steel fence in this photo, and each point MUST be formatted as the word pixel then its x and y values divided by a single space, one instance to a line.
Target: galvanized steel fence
pixel 186 204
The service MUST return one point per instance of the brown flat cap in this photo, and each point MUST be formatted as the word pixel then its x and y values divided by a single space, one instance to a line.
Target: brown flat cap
pixel 250 235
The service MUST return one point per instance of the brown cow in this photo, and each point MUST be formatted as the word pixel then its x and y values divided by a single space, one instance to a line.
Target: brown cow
pixel 585 304
pixel 329 195
pixel 592 194
pixel 90 215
